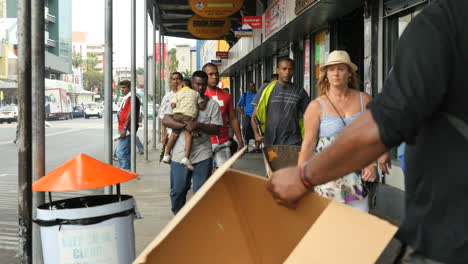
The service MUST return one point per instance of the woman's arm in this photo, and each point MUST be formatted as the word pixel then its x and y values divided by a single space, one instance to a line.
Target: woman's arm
pixel 311 128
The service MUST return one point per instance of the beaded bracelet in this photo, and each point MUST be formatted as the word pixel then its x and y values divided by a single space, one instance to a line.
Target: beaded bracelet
pixel 309 186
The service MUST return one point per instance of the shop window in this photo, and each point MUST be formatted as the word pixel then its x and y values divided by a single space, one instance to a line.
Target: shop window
pixel 321 50
pixel 395 25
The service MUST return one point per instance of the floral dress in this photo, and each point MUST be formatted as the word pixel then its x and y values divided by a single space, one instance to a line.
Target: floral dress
pixel 349 187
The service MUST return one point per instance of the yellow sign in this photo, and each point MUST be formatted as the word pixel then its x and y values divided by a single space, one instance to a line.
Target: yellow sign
pixel 1 95
pixel 208 28
pixel 215 8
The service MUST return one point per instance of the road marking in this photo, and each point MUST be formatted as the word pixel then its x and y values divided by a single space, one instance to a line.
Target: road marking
pixel 5 174
pixel 48 135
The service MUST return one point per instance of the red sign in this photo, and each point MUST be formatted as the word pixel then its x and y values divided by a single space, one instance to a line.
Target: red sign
pixel 224 55
pixel 164 47
pixel 254 22
pixel 275 17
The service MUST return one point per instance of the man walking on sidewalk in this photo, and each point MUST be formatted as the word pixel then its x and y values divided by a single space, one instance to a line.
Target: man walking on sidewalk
pixel 280 108
pixel 176 78
pixel 123 148
pixel 246 108
pixel 221 142
pixel 209 122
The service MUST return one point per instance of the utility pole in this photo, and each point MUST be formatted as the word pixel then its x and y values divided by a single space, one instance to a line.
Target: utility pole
pixel 25 132
pixel 108 46
pixel 38 113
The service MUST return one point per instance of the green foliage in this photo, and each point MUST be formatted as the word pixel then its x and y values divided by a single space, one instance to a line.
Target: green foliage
pixel 90 63
pixel 77 60
pixel 187 73
pixel 93 80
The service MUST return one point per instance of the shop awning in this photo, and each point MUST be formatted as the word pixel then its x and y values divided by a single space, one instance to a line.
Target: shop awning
pixel 172 17
pixel 310 20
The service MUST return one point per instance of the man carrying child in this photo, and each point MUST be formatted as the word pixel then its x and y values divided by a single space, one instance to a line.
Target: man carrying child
pixel 185 105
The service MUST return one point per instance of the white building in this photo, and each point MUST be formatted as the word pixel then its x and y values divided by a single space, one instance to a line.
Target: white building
pixel 81 46
pixel 187 57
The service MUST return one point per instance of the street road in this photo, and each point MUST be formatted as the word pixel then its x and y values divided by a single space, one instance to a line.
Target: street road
pixel 64 140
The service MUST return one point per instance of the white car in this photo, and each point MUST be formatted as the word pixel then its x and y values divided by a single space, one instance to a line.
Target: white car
pixel 92 109
pixel 8 113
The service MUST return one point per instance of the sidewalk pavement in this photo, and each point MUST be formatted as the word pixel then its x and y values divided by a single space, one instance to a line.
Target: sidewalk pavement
pixel 151 192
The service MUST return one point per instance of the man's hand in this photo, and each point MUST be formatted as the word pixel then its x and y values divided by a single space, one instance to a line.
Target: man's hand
pixel 191 125
pixel 240 145
pixel 368 173
pixel 286 187
pixel 258 138
pixel 123 134
pixel 385 163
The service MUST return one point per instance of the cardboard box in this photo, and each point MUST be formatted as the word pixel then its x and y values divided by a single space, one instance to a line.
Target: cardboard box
pixel 277 157
pixel 233 219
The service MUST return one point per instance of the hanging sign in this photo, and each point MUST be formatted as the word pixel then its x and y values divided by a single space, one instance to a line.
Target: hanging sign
pixel 243 32
pixel 208 28
pixel 275 17
pixel 224 55
pixel 301 5
pixel 216 62
pixel 254 22
pixel 215 8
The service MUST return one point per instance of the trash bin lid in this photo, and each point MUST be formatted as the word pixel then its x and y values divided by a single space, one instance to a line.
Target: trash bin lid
pixel 80 173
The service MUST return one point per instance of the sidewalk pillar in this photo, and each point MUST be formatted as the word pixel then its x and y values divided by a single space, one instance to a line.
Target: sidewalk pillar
pixel 133 89
pixel 25 132
pixel 153 74
pixel 108 48
pixel 38 114
pixel 145 56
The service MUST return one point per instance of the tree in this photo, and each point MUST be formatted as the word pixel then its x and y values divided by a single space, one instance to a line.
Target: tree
pixel 187 73
pixel 140 70
pixel 173 62
pixel 77 60
pixel 93 79
pixel 91 62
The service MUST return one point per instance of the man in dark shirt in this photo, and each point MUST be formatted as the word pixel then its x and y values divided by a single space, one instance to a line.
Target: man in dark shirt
pixel 428 79
pixel 286 106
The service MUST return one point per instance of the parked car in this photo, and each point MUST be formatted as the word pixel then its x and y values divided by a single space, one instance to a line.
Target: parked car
pixel 78 111
pixel 9 114
pixel 93 109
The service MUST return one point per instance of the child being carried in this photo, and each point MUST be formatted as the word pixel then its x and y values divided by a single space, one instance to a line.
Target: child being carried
pixel 185 105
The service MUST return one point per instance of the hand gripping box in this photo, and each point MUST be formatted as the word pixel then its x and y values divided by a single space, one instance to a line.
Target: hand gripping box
pixel 233 219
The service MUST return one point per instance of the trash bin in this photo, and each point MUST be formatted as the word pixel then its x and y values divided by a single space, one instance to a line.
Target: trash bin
pixel 91 229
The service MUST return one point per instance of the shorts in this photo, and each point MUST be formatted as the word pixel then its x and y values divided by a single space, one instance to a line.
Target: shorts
pixel 247 131
pixel 221 153
pixel 181 118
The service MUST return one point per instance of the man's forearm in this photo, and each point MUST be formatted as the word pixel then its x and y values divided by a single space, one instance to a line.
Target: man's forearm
pixel 170 122
pixel 253 123
pixel 236 129
pixel 355 148
pixel 210 129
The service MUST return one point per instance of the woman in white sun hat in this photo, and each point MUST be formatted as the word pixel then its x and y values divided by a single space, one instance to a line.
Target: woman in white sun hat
pixel 339 103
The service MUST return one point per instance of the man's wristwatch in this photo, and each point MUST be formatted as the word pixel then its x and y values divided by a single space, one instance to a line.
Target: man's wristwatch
pixel 125 128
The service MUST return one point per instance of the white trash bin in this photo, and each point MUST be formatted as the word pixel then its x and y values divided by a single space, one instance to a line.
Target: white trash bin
pixel 91 229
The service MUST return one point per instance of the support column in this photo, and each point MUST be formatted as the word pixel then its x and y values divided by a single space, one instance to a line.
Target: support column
pixel 145 56
pixel 25 133
pixel 38 114
pixel 153 74
pixel 133 113
pixel 108 47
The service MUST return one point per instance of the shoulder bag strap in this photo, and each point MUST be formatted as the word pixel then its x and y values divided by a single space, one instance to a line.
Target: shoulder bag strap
pixel 460 125
pixel 336 110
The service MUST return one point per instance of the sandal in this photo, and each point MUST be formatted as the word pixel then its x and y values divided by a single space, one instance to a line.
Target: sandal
pixel 256 151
